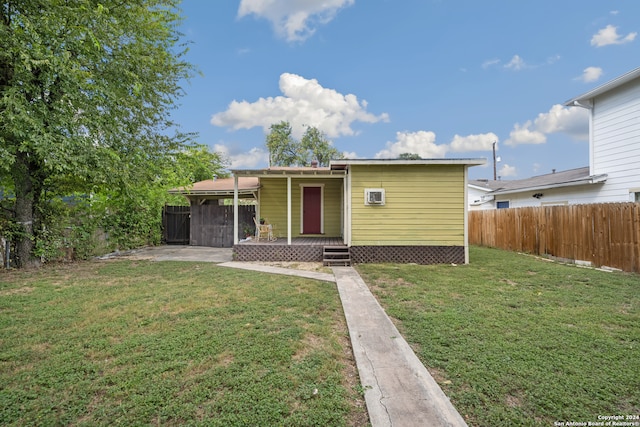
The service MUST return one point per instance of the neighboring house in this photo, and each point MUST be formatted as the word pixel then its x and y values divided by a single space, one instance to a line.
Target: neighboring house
pixel 614 136
pixel 556 188
pixel 478 193
pixel 613 174
pixel 381 210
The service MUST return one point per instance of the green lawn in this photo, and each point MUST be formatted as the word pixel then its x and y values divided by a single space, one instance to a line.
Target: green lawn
pixel 146 343
pixel 514 340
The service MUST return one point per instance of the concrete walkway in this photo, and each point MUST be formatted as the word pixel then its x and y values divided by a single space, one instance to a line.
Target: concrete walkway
pixel 280 270
pixel 398 389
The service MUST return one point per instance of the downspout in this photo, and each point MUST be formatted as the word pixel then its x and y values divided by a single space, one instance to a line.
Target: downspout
pixel 592 166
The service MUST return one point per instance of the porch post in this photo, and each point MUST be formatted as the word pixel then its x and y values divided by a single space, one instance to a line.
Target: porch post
pixel 235 209
pixel 346 224
pixel 466 214
pixel 288 210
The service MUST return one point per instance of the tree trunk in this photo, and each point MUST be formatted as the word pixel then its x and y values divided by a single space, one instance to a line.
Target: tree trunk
pixel 25 211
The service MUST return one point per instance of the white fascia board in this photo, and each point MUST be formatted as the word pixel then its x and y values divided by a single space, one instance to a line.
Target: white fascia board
pixel 584 99
pixel 597 179
pixel 371 162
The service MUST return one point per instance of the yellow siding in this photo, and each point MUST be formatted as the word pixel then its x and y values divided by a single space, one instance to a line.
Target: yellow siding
pixel 424 205
pixel 273 204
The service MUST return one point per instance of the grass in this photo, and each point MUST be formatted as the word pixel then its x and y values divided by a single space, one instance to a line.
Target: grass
pixel 145 343
pixel 511 339
pixel 516 340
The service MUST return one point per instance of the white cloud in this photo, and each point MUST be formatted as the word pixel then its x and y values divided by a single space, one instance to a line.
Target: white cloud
pixel 521 134
pixel 609 35
pixel 251 159
pixel 571 121
pixel 516 63
pixel 489 63
pixel 305 103
pixel 479 142
pixel 422 143
pixel 506 171
pixel 294 20
pixel 553 59
pixel 590 74
pixel 350 155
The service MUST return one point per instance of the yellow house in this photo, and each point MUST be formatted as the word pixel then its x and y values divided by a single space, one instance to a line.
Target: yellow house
pixel 377 210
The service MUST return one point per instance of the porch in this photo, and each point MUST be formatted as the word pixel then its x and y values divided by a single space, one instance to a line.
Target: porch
pixel 302 249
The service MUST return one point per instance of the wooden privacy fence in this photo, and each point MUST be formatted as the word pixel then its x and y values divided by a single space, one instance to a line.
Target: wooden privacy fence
pixel 212 225
pixel 606 234
pixel 205 225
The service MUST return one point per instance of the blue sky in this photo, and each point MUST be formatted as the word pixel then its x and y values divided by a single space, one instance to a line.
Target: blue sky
pixel 440 78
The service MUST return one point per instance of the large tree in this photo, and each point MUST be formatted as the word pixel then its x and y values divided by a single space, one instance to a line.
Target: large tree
pixel 285 150
pixel 317 147
pixel 86 88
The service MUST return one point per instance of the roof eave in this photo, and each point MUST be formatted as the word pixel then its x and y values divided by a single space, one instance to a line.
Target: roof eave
pixel 307 173
pixel 212 193
pixel 595 179
pixel 584 100
pixel 371 162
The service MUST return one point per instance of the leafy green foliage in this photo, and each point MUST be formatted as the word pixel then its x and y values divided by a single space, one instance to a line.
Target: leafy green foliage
pixel 284 150
pixel 409 156
pixel 516 340
pixel 315 146
pixel 85 94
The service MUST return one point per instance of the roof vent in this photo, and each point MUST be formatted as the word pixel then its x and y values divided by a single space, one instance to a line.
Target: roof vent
pixel 314 163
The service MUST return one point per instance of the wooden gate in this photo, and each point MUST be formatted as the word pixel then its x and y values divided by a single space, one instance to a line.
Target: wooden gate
pixel 176 224
pixel 212 225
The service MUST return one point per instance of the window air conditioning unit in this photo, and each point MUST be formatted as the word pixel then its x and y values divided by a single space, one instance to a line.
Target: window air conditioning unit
pixel 374 196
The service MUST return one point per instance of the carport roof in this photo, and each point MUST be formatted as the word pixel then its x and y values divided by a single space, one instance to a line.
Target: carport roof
pixel 247 186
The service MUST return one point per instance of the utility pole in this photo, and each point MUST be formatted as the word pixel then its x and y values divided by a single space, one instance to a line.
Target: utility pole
pixel 495 177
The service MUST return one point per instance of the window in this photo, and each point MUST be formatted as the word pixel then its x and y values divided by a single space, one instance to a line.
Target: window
pixel 502 205
pixel 374 196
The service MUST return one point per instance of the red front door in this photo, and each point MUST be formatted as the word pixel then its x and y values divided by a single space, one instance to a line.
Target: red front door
pixel 311 210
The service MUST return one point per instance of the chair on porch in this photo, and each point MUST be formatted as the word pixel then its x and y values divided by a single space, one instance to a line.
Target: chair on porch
pixel 263 231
